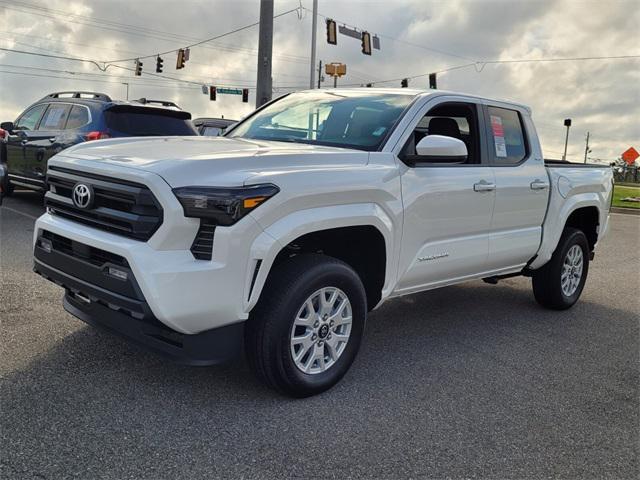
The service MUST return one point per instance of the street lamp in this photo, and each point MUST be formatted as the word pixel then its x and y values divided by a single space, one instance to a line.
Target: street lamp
pixel 567 123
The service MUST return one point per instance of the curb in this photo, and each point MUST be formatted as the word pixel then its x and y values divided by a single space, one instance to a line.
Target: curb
pixel 627 211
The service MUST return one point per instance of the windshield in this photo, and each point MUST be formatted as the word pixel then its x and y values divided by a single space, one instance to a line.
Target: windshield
pixel 350 119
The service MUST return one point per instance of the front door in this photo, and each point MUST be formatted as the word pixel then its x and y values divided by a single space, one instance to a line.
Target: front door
pixel 18 151
pixel 448 206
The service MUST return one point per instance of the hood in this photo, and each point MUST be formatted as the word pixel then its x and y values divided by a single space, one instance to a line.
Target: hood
pixel 220 161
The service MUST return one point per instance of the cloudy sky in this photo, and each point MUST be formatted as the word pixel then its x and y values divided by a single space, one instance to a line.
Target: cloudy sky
pixel 417 37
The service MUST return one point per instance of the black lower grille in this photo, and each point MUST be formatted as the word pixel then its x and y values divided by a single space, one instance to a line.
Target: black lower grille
pixel 93 255
pixel 202 247
pixel 118 206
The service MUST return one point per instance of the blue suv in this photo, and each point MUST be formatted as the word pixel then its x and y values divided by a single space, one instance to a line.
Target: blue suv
pixel 63 119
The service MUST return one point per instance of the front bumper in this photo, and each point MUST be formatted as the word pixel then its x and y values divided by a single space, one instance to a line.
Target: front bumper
pixel 187 295
pixel 122 309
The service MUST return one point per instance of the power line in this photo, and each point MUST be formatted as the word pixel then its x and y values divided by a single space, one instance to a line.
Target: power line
pixel 136 30
pixel 388 37
pixel 66 42
pixel 216 37
pixel 479 66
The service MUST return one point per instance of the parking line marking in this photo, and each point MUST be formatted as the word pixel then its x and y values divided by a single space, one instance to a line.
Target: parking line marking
pixel 19 212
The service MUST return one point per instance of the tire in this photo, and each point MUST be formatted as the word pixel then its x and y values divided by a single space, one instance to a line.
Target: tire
pixel 276 319
pixel 8 187
pixel 548 280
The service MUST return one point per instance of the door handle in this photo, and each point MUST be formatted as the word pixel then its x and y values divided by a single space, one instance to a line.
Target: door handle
pixel 484 186
pixel 539 185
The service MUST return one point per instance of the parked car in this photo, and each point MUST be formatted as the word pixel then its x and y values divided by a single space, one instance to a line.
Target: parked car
pixel 63 119
pixel 284 234
pixel 212 127
pixel 3 167
pixel 3 181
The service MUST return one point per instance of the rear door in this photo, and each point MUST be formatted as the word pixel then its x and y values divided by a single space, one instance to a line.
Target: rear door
pixel 522 186
pixel 18 151
pixel 43 142
pixel 447 206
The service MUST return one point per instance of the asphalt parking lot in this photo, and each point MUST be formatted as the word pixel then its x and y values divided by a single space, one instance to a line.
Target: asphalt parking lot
pixel 472 381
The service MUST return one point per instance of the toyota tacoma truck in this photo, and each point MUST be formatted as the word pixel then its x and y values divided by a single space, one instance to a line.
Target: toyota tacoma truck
pixel 279 237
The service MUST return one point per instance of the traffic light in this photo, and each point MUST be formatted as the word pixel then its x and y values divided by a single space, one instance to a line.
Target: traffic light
pixel 138 64
pixel 181 59
pixel 245 95
pixel 366 43
pixel 404 83
pixel 212 93
pixel 159 62
pixel 332 37
pixel 432 81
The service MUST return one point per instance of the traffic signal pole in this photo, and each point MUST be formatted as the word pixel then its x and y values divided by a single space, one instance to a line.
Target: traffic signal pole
pixel 567 123
pixel 314 29
pixel 265 52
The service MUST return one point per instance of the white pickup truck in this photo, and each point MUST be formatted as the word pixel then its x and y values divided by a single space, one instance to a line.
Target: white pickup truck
pixel 306 215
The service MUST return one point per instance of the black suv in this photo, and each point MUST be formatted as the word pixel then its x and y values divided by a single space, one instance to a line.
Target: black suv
pixel 63 119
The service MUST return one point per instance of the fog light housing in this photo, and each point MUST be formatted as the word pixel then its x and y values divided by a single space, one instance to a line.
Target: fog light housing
pixel 46 245
pixel 117 273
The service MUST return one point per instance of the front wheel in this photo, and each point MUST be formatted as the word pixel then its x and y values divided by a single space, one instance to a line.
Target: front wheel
pixel 306 330
pixel 559 283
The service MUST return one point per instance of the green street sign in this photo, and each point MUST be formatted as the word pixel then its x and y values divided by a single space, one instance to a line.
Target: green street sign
pixel 229 91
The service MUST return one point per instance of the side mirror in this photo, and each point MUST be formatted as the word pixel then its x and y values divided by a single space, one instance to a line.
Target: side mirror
pixel 8 126
pixel 441 149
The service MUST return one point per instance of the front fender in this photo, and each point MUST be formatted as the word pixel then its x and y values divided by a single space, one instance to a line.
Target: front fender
pixel 274 238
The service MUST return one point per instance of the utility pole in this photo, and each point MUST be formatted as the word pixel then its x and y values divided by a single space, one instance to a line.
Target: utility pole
pixel 314 30
pixel 567 123
pixel 125 83
pixel 586 148
pixel 319 73
pixel 265 51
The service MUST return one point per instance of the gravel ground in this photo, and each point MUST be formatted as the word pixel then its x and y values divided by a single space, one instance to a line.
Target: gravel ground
pixel 472 381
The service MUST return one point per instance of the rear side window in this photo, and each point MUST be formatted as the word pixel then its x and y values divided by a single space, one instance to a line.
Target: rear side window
pixel 78 117
pixel 211 131
pixel 145 124
pixel 55 117
pixel 29 119
pixel 507 136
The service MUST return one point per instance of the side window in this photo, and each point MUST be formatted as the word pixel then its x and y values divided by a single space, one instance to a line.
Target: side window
pixel 55 117
pixel 78 117
pixel 211 131
pixel 507 140
pixel 457 120
pixel 29 119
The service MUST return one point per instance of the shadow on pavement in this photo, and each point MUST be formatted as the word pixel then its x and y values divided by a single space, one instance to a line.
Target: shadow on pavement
pixel 466 381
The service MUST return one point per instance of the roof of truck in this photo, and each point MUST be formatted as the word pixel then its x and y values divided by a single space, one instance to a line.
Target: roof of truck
pixel 421 92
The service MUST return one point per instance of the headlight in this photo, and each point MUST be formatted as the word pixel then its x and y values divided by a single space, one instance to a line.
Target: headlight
pixel 224 205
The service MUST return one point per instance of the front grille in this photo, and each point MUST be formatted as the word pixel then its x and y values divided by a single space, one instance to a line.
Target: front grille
pixel 119 206
pixel 202 247
pixel 95 256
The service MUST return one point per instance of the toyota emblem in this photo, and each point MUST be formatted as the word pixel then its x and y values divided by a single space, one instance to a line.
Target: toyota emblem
pixel 82 196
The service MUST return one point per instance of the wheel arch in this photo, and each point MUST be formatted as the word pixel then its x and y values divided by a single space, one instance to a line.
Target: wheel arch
pixel 582 212
pixel 360 235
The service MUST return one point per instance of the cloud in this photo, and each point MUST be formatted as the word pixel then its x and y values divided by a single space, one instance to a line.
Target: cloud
pixel 602 97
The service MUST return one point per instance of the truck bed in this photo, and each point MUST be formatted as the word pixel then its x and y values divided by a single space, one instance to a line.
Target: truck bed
pixel 567 164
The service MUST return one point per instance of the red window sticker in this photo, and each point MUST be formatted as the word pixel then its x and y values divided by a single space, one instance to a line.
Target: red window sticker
pixel 496 126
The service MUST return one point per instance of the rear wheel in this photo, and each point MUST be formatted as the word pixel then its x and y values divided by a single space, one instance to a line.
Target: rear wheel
pixel 306 330
pixel 559 283
pixel 8 187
